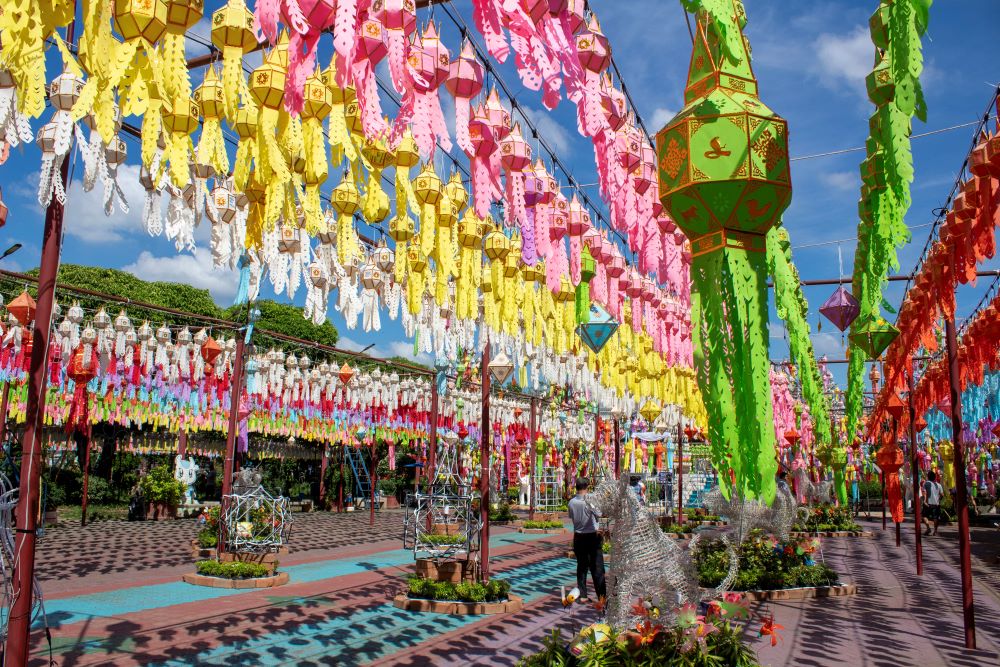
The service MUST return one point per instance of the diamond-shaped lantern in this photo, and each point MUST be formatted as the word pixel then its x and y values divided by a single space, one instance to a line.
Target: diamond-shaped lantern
pixel 873 336
pixel 650 411
pixel 841 308
pixel 210 351
pixel 596 332
pixel 723 160
pixel 345 374
pixel 792 436
pixel 501 368
pixel 895 406
pixel 22 308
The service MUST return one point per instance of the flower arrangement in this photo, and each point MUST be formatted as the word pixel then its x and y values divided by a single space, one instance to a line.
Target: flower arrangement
pixel 765 564
pixel 827 518
pixel 692 639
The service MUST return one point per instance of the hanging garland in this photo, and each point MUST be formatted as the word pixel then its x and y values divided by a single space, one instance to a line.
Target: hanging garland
pixel 887 171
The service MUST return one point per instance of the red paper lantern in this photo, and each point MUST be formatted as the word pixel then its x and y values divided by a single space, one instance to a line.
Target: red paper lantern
pixel 895 406
pixel 345 374
pixel 792 436
pixel 210 351
pixel 22 308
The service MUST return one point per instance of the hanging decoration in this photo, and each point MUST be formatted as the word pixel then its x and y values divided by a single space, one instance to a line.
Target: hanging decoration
pixel 727 148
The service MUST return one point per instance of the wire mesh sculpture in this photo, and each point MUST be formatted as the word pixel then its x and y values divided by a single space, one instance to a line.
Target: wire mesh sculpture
pixel 746 515
pixel 442 524
pixel 8 504
pixel 253 521
pixel 648 565
pixel 548 489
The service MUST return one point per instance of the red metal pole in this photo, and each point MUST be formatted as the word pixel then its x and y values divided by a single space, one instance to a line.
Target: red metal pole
pixel 430 473
pixel 372 481
pixel 895 430
pixel 618 450
pixel 23 576
pixel 235 391
pixel 4 398
pixel 484 470
pixel 533 436
pixel 884 501
pixel 680 474
pixel 182 442
pixel 324 464
pixel 597 445
pixel 340 483
pixel 86 478
pixel 915 477
pixel 961 493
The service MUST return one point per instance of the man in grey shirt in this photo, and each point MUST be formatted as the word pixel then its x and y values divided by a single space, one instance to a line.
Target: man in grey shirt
pixel 586 542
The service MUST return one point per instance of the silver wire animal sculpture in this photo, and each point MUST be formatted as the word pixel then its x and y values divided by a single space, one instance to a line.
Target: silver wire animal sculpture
pixel 648 565
pixel 817 493
pixel 746 515
pixel 8 504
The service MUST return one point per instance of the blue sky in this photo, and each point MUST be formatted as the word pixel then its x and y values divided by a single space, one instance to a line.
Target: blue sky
pixel 810 59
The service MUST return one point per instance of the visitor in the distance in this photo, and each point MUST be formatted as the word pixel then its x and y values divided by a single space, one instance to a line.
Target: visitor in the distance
pixel 782 482
pixel 638 488
pixel 586 543
pixel 931 492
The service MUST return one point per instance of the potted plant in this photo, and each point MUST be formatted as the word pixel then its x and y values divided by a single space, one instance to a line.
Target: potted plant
pixel 162 493
pixel 55 496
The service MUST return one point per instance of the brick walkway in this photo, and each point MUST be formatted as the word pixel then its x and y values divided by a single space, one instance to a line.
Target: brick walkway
pixel 114 598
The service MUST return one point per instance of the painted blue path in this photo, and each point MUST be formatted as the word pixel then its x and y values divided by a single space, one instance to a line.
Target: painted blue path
pixel 122 601
pixel 374 633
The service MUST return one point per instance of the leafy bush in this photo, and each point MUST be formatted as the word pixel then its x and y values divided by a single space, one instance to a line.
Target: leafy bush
pixel 287 319
pixel 825 518
pixel 159 486
pixel 764 564
pixel 467 591
pixel 502 512
pixel 207 538
pixel 99 492
pixel 233 570
pixel 543 525
pixel 444 540
pixel 679 529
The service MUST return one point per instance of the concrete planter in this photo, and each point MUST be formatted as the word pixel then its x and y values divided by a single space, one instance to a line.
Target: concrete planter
pixel 456 608
pixel 839 590
pixel 834 533
pixel 268 560
pixel 279 579
pixel 455 571
pixel 201 553
pixel 160 512
pixel 542 531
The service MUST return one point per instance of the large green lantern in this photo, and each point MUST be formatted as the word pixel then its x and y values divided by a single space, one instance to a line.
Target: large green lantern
pixel 724 179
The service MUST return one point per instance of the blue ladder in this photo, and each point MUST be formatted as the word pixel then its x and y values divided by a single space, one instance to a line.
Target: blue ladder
pixel 362 481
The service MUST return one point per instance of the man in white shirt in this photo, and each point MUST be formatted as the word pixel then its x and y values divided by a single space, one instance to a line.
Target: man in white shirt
pixel 586 542
pixel 931 491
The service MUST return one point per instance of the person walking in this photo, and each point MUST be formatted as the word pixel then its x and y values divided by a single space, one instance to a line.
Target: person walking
pixel 587 543
pixel 931 493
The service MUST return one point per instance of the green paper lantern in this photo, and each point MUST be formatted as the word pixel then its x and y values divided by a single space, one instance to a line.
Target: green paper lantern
pixel 597 331
pixel 873 336
pixel 881 88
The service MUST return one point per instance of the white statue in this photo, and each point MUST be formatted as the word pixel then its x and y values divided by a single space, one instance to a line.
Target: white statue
pixel 522 497
pixel 186 471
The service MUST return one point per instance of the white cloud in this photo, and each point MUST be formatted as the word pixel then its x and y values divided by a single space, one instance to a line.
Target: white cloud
pixel 549 131
pixel 661 116
pixel 203 31
pixel 829 344
pixel 841 180
pixel 398 348
pixel 776 330
pixel 191 269
pixel 85 217
pixel 846 59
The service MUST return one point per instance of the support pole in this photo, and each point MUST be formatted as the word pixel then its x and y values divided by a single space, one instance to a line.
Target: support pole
pixel 895 442
pixel 371 487
pixel 340 482
pixel 680 474
pixel 324 464
pixel 31 452
pixel 597 445
pixel 915 477
pixel 182 442
pixel 235 392
pixel 4 398
pixel 26 521
pixel 533 436
pixel 86 477
pixel 884 500
pixel 431 463
pixel 484 470
pixel 961 492
pixel 618 450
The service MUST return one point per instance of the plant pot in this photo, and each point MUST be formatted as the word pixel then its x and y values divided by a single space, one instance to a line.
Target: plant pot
pixel 51 517
pixel 160 511
pixel 199 552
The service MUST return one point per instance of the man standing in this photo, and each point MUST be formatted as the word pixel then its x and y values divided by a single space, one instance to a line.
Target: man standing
pixel 586 542
pixel 932 492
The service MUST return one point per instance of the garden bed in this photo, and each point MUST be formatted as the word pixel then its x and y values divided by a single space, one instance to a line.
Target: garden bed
pixel 462 598
pixel 766 565
pixel 832 533
pixel 827 518
pixel 236 574
pixel 542 527
pixel 805 593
